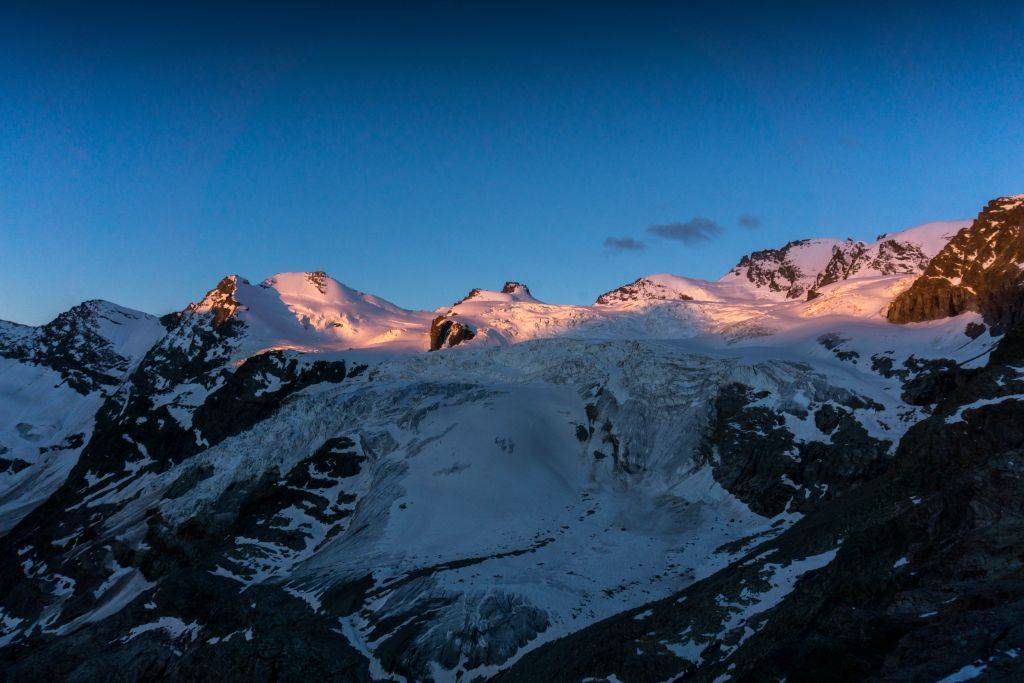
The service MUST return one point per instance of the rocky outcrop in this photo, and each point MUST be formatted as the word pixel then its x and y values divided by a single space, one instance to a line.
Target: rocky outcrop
pixel 220 300
pixel 772 269
pixel 885 257
pixel 775 471
pixel 979 270
pixel 801 268
pixel 445 332
pixel 519 288
pixel 318 279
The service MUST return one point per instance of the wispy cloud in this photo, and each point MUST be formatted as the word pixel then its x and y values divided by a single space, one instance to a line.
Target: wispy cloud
pixel 623 244
pixel 693 230
pixel 749 221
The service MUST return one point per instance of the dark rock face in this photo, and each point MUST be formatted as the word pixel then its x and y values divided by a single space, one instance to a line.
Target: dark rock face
pixel 771 269
pixel 237 400
pixel 975 330
pixel 755 456
pixel 72 345
pixel 979 270
pixel 446 332
pixel 844 262
pixel 208 631
pixel 248 394
pixel 890 257
pixel 220 301
pixel 895 257
pixel 834 343
pixel 512 287
pixel 318 279
pixel 787 271
pixel 12 465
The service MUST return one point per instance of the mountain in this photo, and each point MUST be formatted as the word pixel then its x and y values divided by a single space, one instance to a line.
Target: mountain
pixel 756 478
pixel 801 268
pixel 978 270
pixel 53 379
pixel 311 311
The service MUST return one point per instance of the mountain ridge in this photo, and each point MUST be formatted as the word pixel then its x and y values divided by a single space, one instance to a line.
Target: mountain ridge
pixel 673 481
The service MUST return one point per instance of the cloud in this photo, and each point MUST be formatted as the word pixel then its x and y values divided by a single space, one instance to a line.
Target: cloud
pixel 623 244
pixel 693 230
pixel 750 222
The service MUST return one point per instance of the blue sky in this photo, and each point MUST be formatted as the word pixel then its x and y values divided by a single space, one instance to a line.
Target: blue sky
pixel 416 152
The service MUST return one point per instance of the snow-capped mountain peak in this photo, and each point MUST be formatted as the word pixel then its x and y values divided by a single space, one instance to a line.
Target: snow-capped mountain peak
pixel 53 379
pixel 663 287
pixel 800 268
pixel 322 301
pixel 787 272
pixel 511 292
pixel 310 311
pixel 518 290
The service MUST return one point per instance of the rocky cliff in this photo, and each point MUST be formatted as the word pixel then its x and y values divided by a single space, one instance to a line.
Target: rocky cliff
pixel 979 270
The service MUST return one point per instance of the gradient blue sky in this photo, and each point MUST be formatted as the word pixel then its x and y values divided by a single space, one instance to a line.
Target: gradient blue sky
pixel 416 152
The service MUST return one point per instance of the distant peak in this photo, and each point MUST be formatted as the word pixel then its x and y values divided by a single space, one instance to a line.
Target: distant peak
pixel 221 299
pixel 96 305
pixel 94 309
pixel 1006 203
pixel 473 293
pixel 511 292
pixel 512 287
pixel 305 282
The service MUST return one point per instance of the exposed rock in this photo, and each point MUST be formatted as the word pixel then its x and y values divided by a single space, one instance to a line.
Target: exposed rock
pixel 975 330
pixel 833 342
pixel 756 457
pixel 801 268
pixel 73 344
pixel 512 287
pixel 445 332
pixel 220 300
pixel 771 269
pixel 12 465
pixel 979 270
pixel 318 279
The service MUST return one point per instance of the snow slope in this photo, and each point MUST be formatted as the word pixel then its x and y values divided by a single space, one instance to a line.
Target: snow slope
pixel 313 312
pixel 768 292
pixel 803 266
pixel 53 379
